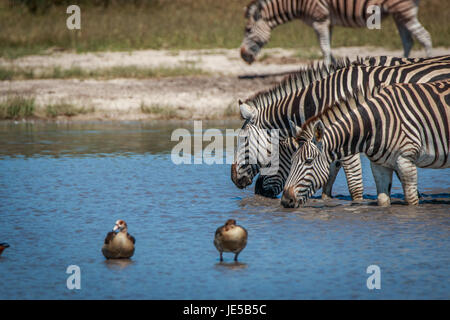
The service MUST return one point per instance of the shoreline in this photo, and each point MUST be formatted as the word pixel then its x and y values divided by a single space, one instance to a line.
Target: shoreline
pixel 212 94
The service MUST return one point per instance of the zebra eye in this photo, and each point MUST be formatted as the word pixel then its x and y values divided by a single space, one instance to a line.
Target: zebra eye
pixel 309 161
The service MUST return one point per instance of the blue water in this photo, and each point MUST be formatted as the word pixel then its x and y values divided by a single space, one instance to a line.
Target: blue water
pixel 62 187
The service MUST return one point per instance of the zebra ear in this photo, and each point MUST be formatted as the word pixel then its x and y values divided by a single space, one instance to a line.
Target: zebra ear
pixel 295 129
pixel 319 131
pixel 247 112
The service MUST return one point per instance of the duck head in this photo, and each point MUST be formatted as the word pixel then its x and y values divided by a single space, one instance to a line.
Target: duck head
pixel 230 222
pixel 120 226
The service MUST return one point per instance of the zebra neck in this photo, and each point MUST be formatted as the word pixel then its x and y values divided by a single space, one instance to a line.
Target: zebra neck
pixel 347 130
pixel 308 102
pixel 277 12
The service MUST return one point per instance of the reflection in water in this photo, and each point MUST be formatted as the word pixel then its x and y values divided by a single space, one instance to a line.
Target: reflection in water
pixel 235 265
pixel 95 139
pixel 57 176
pixel 118 264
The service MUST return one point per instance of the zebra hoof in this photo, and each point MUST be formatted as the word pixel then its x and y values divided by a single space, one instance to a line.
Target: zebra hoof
pixel 384 200
pixel 326 196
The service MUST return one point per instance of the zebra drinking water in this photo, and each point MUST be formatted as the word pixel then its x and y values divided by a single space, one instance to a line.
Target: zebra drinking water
pixel 399 127
pixel 272 109
pixel 264 15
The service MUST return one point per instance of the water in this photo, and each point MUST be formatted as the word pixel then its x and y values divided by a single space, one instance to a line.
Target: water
pixel 63 186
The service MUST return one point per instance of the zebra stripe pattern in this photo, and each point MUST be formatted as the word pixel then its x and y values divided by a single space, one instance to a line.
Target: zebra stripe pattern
pixel 274 108
pixel 264 15
pixel 399 127
pixel 251 136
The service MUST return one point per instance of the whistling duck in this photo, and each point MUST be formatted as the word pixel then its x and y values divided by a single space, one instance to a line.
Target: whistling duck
pixel 3 246
pixel 118 243
pixel 230 238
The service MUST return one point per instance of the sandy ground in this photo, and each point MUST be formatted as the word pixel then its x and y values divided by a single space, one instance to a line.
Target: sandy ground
pixel 199 97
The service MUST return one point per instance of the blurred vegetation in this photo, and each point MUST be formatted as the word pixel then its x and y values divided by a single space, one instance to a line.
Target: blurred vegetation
pixel 17 107
pixel 39 26
pixel 160 111
pixel 16 73
pixel 66 109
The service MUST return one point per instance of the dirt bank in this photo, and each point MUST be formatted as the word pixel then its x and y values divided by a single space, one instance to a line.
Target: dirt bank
pixel 200 97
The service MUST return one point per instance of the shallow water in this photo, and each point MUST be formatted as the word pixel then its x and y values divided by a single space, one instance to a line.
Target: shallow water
pixel 62 187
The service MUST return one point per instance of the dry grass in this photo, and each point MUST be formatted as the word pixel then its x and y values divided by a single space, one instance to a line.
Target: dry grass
pixel 101 73
pixel 16 107
pixel 179 24
pixel 65 109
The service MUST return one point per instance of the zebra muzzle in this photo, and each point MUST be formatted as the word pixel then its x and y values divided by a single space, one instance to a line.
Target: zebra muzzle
pixel 288 199
pixel 246 56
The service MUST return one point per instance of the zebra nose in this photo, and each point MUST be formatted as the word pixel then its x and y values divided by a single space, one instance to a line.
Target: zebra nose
pixel 288 198
pixel 247 57
pixel 242 182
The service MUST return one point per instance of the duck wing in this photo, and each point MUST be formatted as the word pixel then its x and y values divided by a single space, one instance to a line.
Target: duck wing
pixel 109 237
pixel 218 231
pixel 130 237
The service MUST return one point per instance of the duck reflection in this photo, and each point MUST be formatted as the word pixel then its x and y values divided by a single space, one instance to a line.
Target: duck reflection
pixel 118 264
pixel 235 265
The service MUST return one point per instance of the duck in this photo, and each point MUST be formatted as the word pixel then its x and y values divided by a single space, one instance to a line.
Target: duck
pixel 3 246
pixel 119 244
pixel 230 238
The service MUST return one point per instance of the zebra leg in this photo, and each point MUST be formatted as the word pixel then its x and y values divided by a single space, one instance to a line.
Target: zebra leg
pixel 328 186
pixel 353 172
pixel 383 182
pixel 322 29
pixel 419 32
pixel 407 172
pixel 405 35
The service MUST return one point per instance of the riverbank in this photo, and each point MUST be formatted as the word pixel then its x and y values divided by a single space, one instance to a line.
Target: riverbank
pixel 147 84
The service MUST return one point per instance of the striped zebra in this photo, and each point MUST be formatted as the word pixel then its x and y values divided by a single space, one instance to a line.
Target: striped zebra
pixel 264 15
pixel 272 185
pixel 293 99
pixel 399 127
pixel 253 138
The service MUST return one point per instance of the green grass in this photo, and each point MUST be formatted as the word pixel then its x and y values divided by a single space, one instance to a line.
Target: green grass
pixel 180 24
pixel 65 109
pixel 101 73
pixel 160 111
pixel 16 107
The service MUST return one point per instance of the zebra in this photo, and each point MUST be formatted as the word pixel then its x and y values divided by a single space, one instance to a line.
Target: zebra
pixel 252 139
pixel 273 108
pixel 264 15
pixel 272 185
pixel 399 127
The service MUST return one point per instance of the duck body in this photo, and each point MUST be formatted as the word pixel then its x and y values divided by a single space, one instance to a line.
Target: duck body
pixel 3 246
pixel 118 245
pixel 230 238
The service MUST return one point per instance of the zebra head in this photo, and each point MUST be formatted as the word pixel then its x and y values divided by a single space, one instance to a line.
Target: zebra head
pixel 310 165
pixel 254 149
pixel 257 32
pixel 272 185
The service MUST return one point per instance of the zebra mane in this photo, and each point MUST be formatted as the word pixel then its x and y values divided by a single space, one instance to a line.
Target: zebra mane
pixel 295 81
pixel 255 5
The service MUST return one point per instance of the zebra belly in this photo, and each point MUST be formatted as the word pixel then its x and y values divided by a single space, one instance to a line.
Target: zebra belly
pixel 429 159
